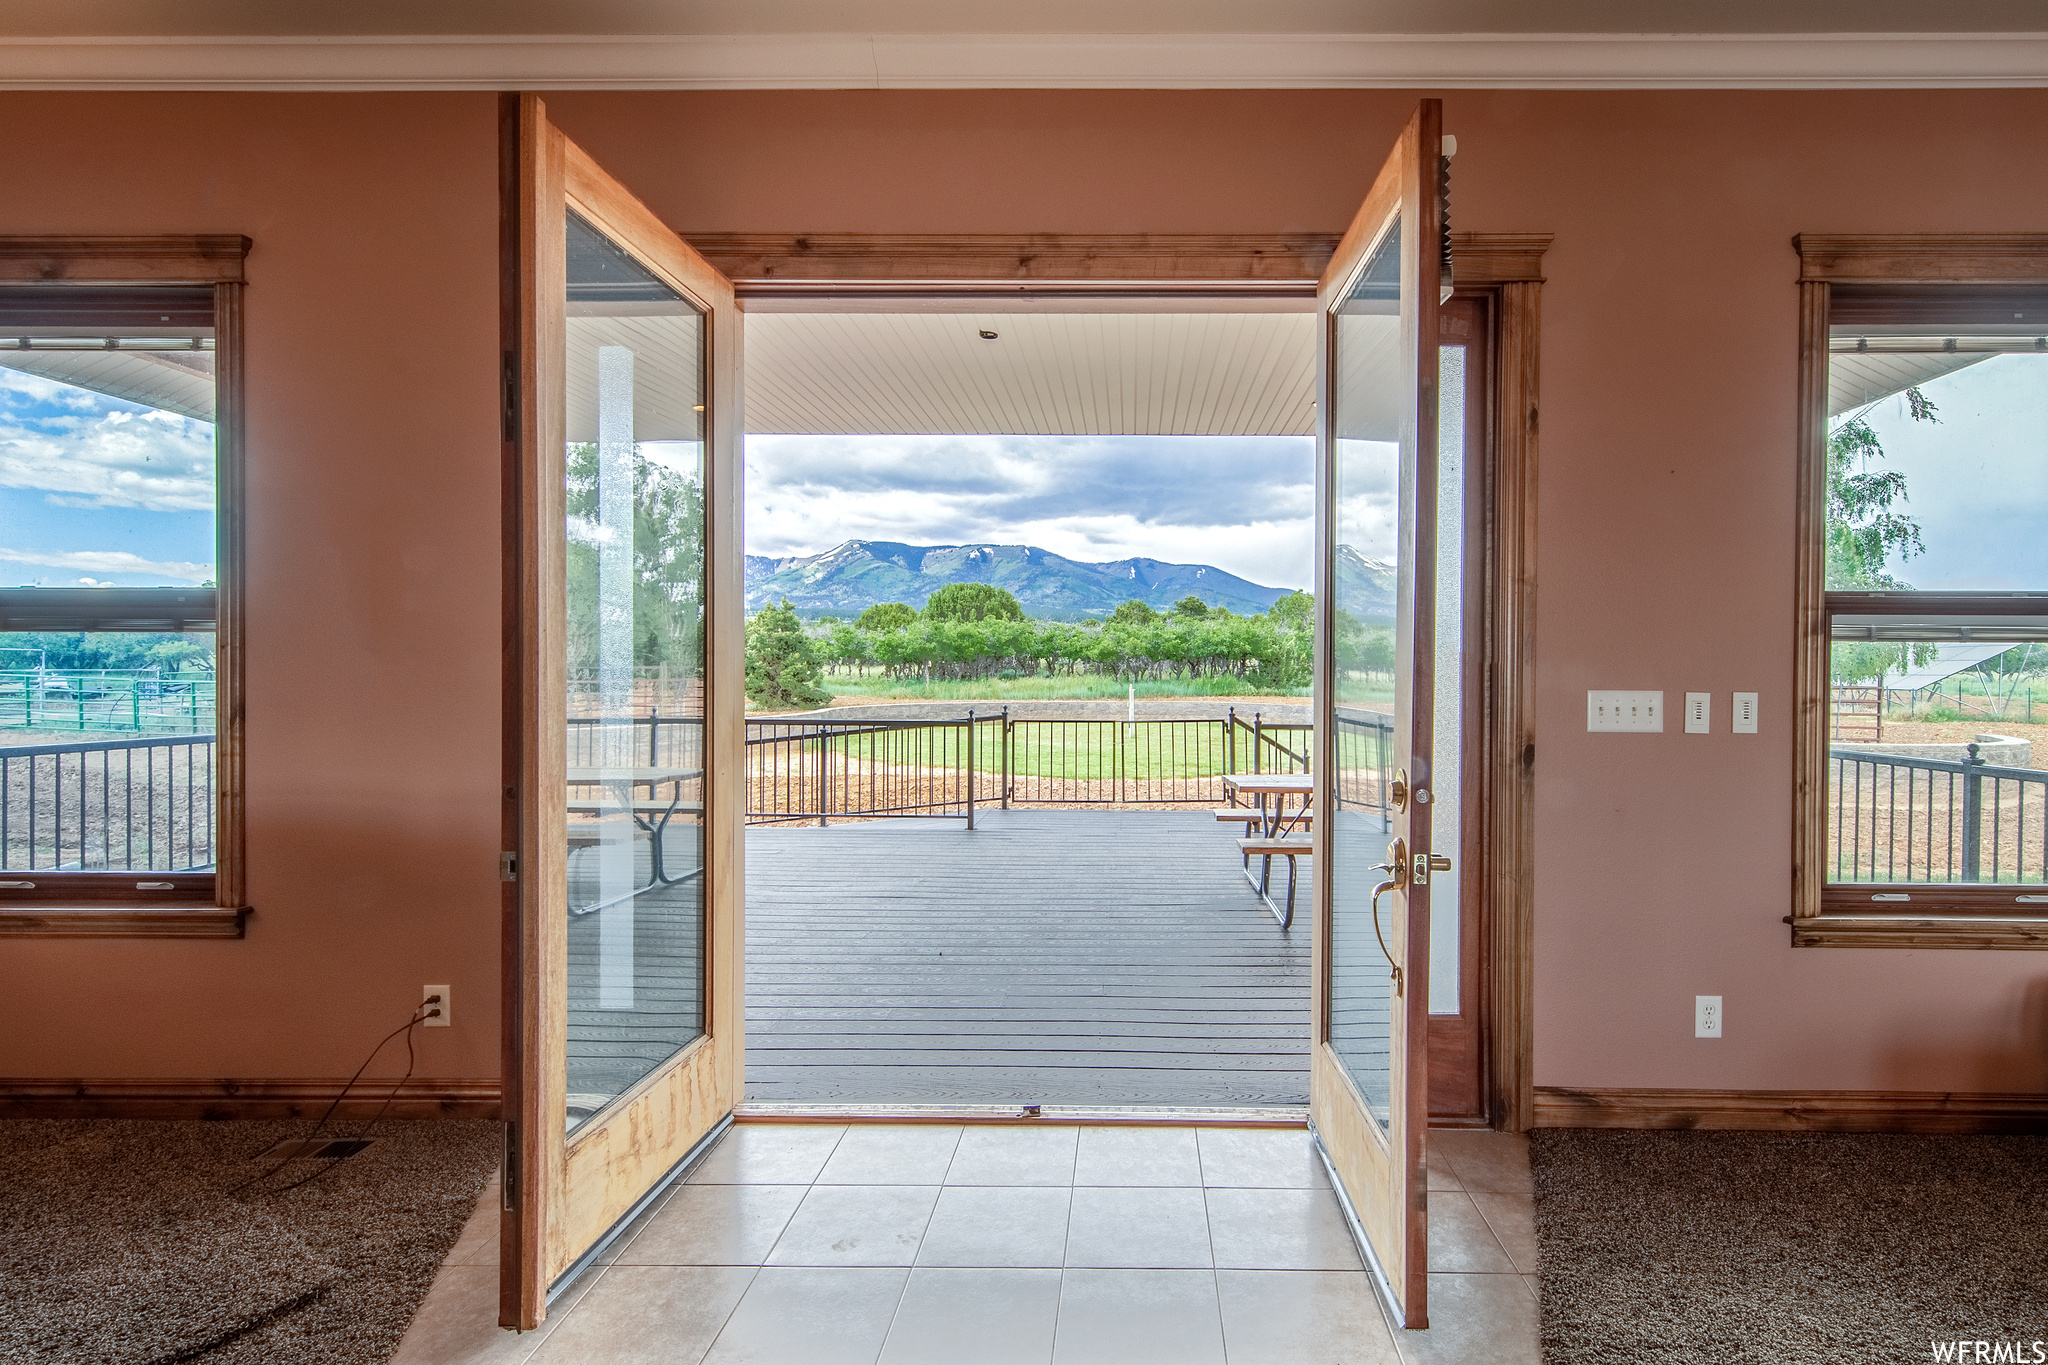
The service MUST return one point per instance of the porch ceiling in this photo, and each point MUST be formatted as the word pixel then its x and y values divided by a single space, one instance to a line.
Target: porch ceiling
pixel 1041 374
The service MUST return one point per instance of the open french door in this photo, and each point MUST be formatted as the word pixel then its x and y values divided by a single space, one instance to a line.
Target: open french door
pixel 623 706
pixel 1377 699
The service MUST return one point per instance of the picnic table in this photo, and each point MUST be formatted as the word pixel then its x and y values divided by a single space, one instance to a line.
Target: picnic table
pixel 1268 827
pixel 650 817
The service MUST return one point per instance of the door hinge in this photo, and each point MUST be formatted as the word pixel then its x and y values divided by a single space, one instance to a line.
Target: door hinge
pixel 509 1187
pixel 510 386
pixel 508 867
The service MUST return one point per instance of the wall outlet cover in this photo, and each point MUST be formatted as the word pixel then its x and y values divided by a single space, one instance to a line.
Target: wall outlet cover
pixel 446 1018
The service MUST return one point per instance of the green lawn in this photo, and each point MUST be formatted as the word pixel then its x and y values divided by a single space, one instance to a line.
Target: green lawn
pixel 845 685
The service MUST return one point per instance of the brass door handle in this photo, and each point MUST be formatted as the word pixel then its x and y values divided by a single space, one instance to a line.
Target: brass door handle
pixel 1396 868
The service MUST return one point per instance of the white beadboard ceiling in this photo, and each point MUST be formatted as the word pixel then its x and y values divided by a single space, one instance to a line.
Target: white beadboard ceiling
pixel 178 381
pixel 1044 374
pixel 1858 379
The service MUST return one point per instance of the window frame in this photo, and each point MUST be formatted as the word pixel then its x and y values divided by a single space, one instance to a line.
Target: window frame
pixel 1960 917
pixel 198 905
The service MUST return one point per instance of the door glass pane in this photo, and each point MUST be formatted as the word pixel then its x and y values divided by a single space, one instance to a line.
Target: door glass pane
pixel 635 642
pixel 1372 414
pixel 1447 764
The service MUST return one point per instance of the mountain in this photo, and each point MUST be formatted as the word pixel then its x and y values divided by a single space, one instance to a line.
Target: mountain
pixel 1365 587
pixel 861 573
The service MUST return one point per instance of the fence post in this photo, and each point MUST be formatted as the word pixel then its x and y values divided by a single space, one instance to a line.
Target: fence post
pixel 970 770
pixel 654 736
pixel 135 705
pixel 1258 741
pixel 1006 758
pixel 1230 740
pixel 1973 818
pixel 824 775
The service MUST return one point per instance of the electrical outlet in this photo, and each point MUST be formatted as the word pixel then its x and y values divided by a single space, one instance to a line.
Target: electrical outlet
pixel 1628 712
pixel 1745 714
pixel 446 1017
pixel 1706 1016
pixel 1698 707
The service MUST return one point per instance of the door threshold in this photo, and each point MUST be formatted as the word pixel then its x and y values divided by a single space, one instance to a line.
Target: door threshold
pixel 1134 1116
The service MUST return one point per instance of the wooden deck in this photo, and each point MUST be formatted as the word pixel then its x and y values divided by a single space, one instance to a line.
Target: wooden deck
pixel 1049 957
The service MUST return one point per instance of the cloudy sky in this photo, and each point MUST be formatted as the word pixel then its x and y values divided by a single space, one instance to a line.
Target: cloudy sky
pixel 99 490
pixel 1242 504
pixel 1977 479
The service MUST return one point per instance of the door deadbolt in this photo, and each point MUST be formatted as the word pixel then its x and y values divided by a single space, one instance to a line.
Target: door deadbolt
pixel 1397 794
pixel 1426 863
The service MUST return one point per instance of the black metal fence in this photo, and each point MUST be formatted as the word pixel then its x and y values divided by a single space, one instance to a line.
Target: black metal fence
pixel 143 805
pixel 1904 820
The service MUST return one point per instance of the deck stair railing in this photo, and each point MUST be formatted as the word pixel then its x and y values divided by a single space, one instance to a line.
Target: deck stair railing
pixel 1923 820
pixel 143 805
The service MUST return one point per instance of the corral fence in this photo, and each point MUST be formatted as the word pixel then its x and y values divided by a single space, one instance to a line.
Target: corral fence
pixel 104 700
pixel 124 804
pixel 1924 820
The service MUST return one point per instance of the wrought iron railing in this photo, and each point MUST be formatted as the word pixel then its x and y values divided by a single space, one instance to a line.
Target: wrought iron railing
pixel 1923 820
pixel 144 805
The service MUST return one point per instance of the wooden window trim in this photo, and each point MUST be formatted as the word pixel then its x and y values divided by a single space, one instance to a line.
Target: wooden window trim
pixel 1827 260
pixel 202 905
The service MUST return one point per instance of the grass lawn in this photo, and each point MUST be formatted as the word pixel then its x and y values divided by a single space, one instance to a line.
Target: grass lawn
pixel 848 688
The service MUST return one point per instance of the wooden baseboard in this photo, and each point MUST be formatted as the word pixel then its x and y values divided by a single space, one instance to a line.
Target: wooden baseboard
pixel 419 1098
pixel 1794 1111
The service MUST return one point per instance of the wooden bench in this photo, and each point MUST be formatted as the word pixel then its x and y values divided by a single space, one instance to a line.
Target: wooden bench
pixel 1290 849
pixel 1252 815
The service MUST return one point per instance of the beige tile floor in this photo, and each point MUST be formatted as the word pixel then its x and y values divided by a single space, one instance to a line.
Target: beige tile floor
pixel 929 1245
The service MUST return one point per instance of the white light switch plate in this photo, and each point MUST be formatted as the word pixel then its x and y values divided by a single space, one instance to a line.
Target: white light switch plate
pixel 1629 712
pixel 1698 707
pixel 1745 714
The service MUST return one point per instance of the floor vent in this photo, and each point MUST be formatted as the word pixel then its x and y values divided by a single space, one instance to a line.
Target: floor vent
pixel 320 1149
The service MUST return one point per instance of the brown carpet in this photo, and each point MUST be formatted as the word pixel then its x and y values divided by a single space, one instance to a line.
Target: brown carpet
pixel 121 1242
pixel 1793 1249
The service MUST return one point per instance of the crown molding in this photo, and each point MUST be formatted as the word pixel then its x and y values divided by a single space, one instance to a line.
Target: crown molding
pixel 1534 61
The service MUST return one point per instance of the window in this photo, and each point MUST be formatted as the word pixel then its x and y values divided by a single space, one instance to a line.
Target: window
pixel 115 672
pixel 1927 820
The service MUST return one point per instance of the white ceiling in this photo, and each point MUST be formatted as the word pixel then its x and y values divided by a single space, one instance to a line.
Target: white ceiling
pixel 180 382
pixel 1044 374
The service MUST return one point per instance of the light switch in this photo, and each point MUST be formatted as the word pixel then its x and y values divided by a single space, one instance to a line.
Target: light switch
pixel 1628 712
pixel 1745 714
pixel 1698 705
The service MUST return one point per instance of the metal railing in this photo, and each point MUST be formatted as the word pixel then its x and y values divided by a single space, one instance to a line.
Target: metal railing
pixel 815 769
pixel 1924 820
pixel 143 805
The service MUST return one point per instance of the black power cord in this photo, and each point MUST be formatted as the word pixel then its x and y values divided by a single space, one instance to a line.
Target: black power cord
pixel 430 1008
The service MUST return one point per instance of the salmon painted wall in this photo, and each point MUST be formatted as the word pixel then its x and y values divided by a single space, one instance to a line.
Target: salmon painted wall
pixel 1663 862
pixel 373 579
pixel 1665 505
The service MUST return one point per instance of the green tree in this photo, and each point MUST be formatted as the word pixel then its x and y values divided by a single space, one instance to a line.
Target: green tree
pixel 782 662
pixel 1297 610
pixel 885 616
pixel 1135 612
pixel 1862 532
pixel 972 602
pixel 668 564
pixel 1192 607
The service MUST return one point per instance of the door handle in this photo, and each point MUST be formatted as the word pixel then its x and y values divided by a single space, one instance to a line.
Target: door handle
pixel 1396 868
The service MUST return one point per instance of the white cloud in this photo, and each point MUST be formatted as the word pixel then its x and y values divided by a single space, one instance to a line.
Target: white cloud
pixel 157 461
pixel 108 561
pixel 1243 505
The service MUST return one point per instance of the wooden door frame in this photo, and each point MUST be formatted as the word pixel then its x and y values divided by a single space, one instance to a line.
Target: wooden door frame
pixel 1503 268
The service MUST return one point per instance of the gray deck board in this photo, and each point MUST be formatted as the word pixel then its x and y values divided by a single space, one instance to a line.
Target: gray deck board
pixel 1048 957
